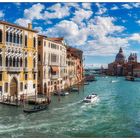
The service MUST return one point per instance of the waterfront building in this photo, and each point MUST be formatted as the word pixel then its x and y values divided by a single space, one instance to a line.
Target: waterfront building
pixel 52 72
pixel 74 66
pixel 18 60
pixel 123 67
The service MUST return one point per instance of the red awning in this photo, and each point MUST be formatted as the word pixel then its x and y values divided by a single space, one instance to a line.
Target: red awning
pixel 55 69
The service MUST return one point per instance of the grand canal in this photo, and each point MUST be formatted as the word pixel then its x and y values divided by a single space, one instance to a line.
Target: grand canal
pixel 116 114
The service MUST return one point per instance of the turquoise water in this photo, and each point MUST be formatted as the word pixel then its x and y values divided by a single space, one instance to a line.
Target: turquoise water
pixel 116 114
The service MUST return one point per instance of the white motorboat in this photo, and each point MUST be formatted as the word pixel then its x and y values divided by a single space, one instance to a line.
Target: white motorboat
pixel 64 93
pixel 91 98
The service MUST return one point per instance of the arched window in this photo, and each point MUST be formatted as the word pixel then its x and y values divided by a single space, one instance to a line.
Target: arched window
pixel 0 60
pixel 45 87
pixel 20 62
pixel 26 40
pixel 26 62
pixel 17 63
pixel 14 36
pixel 7 36
pixel 0 35
pixel 6 61
pixel 10 61
pixel 34 42
pixel 20 39
pixel 17 38
pixel 34 65
pixel 14 62
pixel 10 37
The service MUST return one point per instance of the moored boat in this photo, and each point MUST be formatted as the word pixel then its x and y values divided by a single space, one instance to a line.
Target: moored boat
pixel 129 78
pixel 36 108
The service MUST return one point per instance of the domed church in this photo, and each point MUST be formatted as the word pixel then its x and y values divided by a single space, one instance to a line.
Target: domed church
pixel 122 67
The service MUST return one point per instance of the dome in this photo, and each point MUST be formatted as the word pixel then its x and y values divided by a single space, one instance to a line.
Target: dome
pixel 120 56
pixel 132 57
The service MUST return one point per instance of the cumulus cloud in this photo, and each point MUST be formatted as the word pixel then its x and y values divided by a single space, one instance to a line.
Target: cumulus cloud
pixel 80 15
pixel 115 7
pixel 135 37
pixel 30 14
pixel 127 6
pixel 138 21
pixel 56 11
pixel 86 5
pixel 101 9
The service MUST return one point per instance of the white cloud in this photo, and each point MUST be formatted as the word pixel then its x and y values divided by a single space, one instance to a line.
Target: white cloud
pixel 127 6
pixel 138 21
pixel 1 14
pixel 135 37
pixel 30 14
pixel 86 5
pixel 23 21
pixel 115 7
pixel 56 11
pixel 80 15
pixel 101 9
pixel 34 12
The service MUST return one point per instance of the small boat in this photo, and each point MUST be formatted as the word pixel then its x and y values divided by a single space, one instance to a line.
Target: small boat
pixel 74 89
pixel 64 93
pixel 86 83
pixel 36 108
pixel 129 78
pixel 90 98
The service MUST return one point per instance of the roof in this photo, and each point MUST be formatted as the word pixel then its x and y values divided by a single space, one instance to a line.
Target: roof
pixel 18 26
pixel 57 40
pixel 71 49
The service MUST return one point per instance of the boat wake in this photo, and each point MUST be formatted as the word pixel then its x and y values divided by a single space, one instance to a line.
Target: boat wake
pixel 114 81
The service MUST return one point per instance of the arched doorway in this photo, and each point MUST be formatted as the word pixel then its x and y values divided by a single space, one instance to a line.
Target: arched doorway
pixel 13 87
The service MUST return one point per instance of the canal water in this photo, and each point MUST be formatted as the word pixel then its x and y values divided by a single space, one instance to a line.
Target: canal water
pixel 115 114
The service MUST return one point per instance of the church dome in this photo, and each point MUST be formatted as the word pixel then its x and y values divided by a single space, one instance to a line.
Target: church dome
pixel 120 56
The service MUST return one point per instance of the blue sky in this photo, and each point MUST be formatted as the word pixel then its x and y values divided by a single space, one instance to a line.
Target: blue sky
pixel 99 29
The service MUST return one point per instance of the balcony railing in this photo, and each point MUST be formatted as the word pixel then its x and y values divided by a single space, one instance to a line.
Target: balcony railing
pixel 54 76
pixel 14 69
pixel 34 70
pixel 54 63
pixel 1 68
pixel 26 69
pixel 9 44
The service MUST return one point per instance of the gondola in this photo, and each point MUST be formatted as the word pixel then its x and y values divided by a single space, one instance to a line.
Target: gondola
pixel 36 108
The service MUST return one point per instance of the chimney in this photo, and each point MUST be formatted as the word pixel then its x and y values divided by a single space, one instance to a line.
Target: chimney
pixel 30 26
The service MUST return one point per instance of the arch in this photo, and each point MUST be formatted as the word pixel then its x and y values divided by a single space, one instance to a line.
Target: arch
pixel 11 36
pixel 13 87
pixel 17 63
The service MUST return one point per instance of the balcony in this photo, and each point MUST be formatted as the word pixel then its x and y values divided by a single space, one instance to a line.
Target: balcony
pixel 54 63
pixel 34 70
pixel 26 69
pixel 14 69
pixel 54 77
pixel 1 68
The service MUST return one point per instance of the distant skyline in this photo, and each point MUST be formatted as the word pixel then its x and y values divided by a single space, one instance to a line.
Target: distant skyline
pixel 99 29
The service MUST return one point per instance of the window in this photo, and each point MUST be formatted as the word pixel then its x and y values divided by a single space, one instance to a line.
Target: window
pixel 20 39
pixel 39 43
pixel 39 74
pixel 34 64
pixel 34 42
pixel 0 35
pixel 26 40
pixel 53 57
pixel 49 44
pixel 6 87
pixel 25 86
pixel 6 36
pixel 10 37
pixel 14 38
pixel 0 76
pixel 39 57
pixel 6 61
pixel 26 63
pixel 34 76
pixel 0 89
pixel 33 85
pixel 21 86
pixel 0 60
pixel 26 76
pixel 44 43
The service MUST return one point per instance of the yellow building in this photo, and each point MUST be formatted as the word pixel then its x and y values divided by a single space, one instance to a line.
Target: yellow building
pixel 51 64
pixel 18 60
